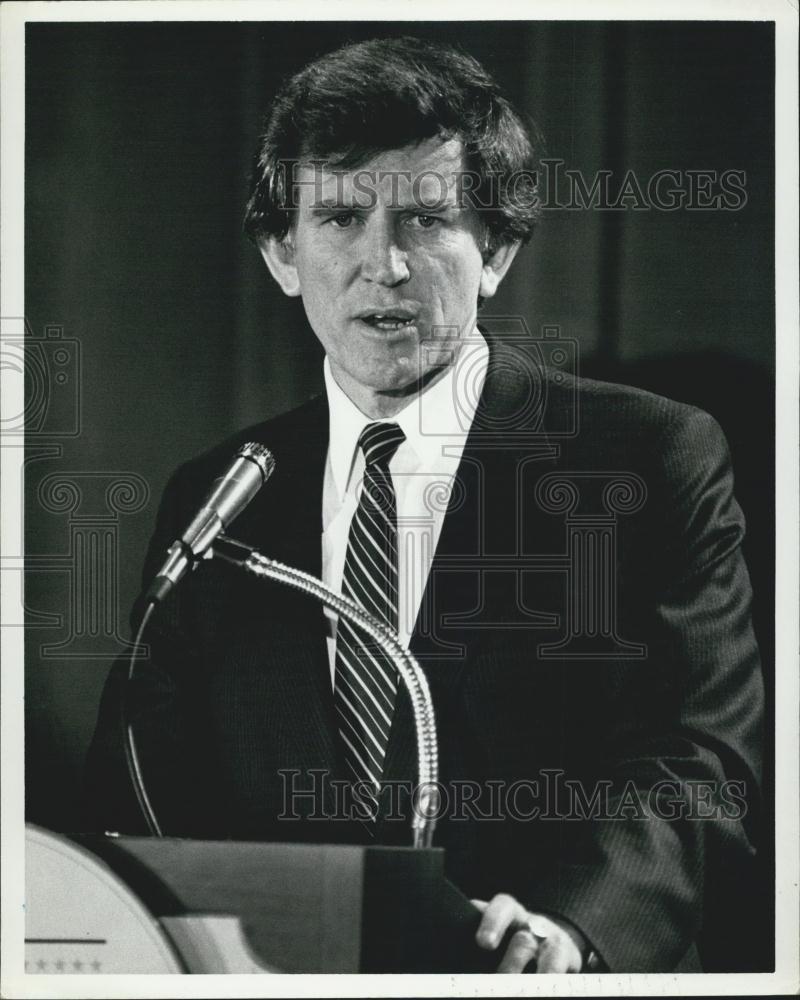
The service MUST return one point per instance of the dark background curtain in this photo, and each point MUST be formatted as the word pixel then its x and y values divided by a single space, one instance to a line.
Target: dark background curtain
pixel 155 330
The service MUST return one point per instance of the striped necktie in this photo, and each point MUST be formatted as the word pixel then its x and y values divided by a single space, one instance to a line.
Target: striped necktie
pixel 365 683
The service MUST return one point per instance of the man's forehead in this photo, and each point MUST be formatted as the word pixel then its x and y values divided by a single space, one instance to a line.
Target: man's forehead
pixel 425 172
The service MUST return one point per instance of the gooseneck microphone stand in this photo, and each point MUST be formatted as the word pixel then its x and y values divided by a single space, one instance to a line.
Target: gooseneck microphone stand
pixel 426 798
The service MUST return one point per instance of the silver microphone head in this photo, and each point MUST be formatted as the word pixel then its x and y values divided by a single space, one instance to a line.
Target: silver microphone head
pixel 261 455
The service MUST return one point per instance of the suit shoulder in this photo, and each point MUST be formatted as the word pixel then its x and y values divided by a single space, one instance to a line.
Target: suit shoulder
pixel 610 409
pixel 280 434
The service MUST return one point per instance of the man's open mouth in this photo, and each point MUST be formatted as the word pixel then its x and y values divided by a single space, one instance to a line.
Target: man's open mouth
pixel 388 320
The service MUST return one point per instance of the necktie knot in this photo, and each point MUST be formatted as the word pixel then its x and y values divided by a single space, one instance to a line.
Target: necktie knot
pixel 379 442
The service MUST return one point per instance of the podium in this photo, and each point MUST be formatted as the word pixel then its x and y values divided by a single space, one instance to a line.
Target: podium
pixel 142 904
pixel 155 904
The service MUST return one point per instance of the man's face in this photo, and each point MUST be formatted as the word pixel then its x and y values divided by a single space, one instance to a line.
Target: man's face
pixel 389 266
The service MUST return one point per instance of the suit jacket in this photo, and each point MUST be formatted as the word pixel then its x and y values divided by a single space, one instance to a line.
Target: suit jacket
pixel 585 631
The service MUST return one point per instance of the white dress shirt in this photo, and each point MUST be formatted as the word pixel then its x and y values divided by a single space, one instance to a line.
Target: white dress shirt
pixel 436 424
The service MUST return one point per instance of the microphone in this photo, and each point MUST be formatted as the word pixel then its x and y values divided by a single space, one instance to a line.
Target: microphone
pixel 252 466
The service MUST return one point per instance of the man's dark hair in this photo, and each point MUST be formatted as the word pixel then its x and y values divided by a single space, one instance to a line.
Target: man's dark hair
pixel 386 93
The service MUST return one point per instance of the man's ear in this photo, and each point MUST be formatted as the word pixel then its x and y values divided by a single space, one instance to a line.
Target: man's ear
pixel 495 267
pixel 279 258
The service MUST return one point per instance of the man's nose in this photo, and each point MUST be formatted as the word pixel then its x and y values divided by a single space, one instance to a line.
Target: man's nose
pixel 384 261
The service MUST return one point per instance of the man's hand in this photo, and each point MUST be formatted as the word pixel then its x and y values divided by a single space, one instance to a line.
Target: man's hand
pixel 555 945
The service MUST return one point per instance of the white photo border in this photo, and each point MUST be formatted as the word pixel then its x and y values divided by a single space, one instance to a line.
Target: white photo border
pixel 786 978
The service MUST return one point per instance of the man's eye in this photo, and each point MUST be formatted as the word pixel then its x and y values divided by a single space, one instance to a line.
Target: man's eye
pixel 342 221
pixel 427 221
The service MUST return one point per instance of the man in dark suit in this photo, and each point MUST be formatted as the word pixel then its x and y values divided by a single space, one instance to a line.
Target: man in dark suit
pixel 561 556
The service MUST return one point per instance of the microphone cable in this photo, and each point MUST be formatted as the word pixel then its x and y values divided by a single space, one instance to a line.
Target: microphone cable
pixel 131 755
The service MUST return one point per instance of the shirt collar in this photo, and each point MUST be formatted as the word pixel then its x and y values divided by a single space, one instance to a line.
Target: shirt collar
pixel 441 415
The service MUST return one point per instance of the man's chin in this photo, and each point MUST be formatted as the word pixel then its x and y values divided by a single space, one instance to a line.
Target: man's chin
pixel 411 381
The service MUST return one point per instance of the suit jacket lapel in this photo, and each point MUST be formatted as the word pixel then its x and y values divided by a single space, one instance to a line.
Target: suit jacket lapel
pixel 285 524
pixel 455 583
